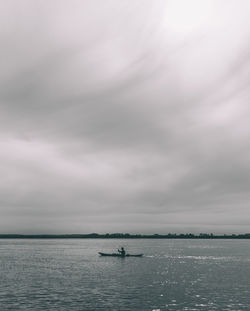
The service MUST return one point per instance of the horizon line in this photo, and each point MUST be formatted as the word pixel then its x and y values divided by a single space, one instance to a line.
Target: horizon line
pixel 126 236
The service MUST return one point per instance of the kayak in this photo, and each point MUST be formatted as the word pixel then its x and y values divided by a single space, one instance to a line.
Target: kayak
pixel 119 255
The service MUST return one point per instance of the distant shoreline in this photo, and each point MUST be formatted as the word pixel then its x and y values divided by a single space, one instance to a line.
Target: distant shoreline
pixel 126 236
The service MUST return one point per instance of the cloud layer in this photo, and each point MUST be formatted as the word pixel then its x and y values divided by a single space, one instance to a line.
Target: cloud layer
pixel 124 116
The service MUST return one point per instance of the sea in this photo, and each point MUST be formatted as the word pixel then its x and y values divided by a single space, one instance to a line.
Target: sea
pixel 173 274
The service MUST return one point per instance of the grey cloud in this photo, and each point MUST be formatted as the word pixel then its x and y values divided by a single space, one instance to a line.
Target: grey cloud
pixel 116 119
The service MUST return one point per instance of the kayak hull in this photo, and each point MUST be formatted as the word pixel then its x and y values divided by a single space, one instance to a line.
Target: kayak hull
pixel 119 255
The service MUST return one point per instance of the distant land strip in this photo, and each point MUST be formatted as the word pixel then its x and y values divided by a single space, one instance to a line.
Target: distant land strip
pixel 126 236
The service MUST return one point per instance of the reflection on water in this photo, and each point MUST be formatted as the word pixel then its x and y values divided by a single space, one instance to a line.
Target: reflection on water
pixel 173 275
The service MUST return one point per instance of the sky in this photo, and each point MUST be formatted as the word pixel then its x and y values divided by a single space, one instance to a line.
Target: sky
pixel 124 116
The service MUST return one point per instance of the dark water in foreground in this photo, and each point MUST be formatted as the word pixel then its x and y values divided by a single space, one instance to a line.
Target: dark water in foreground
pixel 173 275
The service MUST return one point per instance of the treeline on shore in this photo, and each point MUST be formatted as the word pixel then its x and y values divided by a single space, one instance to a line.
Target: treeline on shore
pixel 126 236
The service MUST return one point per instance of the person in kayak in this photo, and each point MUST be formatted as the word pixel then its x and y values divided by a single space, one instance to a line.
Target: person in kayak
pixel 122 252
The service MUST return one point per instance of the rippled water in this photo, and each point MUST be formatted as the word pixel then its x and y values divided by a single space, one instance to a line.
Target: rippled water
pixel 173 275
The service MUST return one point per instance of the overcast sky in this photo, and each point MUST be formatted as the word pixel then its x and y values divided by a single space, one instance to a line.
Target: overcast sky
pixel 124 116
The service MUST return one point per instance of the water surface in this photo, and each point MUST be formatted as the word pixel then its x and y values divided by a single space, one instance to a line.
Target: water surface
pixel 173 275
